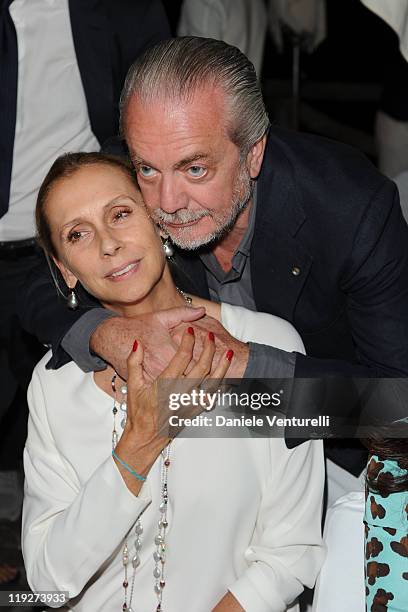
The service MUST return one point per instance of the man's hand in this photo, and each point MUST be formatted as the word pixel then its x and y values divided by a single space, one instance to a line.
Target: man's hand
pixel 113 339
pixel 223 342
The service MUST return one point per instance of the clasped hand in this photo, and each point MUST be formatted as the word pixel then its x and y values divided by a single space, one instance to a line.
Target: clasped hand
pixel 160 334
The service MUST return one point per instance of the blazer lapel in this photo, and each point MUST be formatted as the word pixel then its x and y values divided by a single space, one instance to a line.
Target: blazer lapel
pixel 189 274
pixel 280 264
pixel 92 40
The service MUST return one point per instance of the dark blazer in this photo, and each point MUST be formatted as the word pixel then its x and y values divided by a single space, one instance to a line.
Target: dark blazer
pixel 330 255
pixel 325 212
pixel 108 36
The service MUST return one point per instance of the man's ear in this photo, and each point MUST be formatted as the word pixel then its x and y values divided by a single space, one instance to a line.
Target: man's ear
pixel 255 157
pixel 69 278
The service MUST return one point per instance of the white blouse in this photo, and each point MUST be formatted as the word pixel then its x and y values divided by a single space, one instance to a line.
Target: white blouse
pixel 244 514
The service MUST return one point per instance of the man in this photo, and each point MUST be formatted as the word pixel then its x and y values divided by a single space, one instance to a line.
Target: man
pixel 275 221
pixel 62 69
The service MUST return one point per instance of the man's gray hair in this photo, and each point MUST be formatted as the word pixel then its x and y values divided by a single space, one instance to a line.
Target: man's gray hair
pixel 176 68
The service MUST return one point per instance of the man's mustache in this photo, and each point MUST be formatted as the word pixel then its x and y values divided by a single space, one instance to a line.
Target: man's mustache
pixel 180 216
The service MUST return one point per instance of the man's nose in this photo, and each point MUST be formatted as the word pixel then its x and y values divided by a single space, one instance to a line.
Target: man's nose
pixel 172 196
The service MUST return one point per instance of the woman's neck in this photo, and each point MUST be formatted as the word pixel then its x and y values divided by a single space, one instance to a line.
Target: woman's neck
pixel 162 296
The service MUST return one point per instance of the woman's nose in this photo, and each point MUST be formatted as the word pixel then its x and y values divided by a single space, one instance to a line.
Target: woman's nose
pixel 110 244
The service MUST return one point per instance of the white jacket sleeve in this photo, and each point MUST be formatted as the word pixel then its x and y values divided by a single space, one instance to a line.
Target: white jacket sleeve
pixel 261 328
pixel 288 551
pixel 68 531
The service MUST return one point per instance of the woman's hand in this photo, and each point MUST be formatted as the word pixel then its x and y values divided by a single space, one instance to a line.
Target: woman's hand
pixel 228 604
pixel 147 429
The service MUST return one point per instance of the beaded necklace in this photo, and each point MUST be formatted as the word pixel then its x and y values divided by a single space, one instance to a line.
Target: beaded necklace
pixel 159 555
pixel 133 557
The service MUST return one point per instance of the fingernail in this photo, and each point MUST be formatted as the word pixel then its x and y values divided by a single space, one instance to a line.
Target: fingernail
pixel 229 355
pixel 190 330
pixel 135 345
pixel 211 336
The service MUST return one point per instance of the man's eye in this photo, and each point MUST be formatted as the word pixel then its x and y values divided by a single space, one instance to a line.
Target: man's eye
pixel 196 171
pixel 146 171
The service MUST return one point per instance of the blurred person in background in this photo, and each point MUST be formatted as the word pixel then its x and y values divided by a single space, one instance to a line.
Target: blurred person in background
pixel 386 525
pixel 242 23
pixel 62 67
pixel 391 125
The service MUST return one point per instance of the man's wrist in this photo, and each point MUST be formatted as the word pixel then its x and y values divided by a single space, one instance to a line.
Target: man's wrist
pixel 239 362
pixel 269 362
pixel 96 339
pixel 77 341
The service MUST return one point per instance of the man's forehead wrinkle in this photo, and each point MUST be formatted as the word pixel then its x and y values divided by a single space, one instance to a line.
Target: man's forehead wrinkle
pixel 166 133
pixel 177 124
pixel 178 142
pixel 172 101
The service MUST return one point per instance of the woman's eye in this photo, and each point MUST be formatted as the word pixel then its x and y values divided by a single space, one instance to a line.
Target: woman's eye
pixel 196 171
pixel 146 171
pixel 121 214
pixel 74 236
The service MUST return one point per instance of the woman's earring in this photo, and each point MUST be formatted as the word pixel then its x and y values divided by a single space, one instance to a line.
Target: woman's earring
pixel 72 300
pixel 168 248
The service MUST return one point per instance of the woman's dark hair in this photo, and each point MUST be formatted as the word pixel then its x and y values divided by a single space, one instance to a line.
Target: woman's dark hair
pixel 65 166
pixel 395 449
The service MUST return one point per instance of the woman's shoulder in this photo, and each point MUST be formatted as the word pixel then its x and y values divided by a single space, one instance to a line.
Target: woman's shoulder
pixel 42 370
pixel 61 380
pixel 261 328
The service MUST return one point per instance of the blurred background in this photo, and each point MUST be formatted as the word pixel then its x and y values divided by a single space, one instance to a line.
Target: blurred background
pixel 326 66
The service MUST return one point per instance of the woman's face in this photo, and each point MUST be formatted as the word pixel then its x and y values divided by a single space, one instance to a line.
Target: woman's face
pixel 103 235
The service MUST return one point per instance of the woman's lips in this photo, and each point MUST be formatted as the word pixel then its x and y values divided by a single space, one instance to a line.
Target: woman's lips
pixel 124 272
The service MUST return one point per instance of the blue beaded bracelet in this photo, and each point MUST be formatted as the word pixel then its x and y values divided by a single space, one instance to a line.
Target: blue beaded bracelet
pixel 128 468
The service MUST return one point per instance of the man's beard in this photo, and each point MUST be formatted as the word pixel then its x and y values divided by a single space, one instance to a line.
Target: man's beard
pixel 224 220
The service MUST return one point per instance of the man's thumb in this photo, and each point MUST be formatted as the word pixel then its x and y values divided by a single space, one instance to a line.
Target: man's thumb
pixel 174 316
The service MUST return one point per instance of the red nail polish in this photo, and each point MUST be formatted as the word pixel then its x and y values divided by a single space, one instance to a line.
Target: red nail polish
pixel 229 355
pixel 211 336
pixel 135 345
pixel 190 330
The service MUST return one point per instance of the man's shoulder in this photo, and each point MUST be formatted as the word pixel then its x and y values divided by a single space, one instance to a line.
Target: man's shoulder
pixel 320 157
pixel 324 175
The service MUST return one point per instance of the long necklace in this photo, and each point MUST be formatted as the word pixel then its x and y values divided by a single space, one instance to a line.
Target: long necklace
pixel 159 555
pixel 133 557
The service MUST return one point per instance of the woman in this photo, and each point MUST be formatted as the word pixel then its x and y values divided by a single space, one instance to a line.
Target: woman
pixel 113 513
